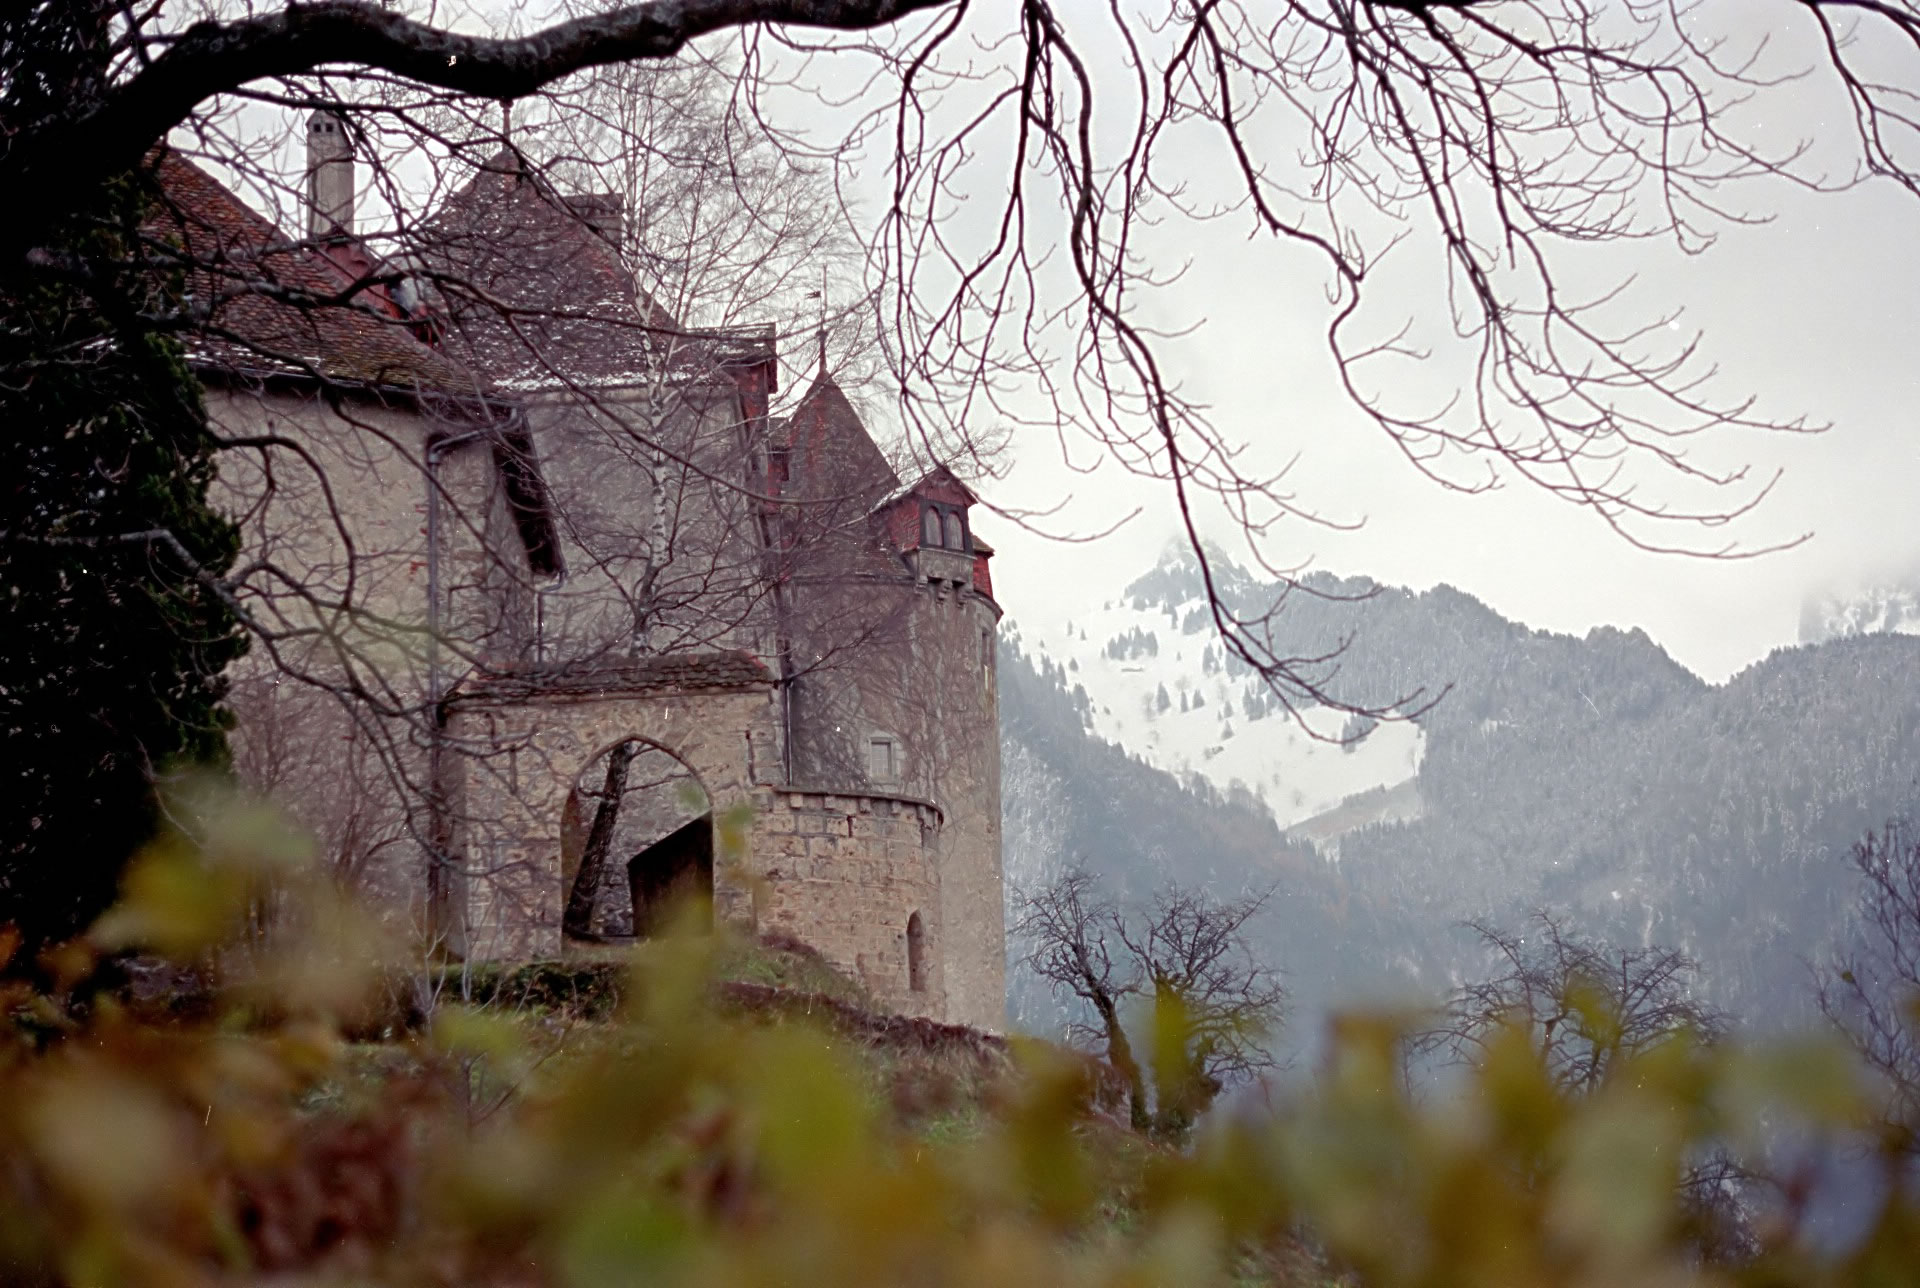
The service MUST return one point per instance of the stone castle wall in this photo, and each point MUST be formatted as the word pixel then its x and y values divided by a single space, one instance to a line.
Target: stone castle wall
pixel 845 869
pixel 955 632
pixel 847 872
pixel 649 484
pixel 333 506
pixel 928 681
pixel 515 748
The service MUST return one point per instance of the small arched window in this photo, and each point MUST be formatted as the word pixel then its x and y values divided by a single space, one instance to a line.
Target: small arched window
pixel 930 527
pixel 916 954
pixel 956 535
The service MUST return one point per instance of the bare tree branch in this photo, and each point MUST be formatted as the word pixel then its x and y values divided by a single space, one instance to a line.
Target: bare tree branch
pixel 1211 1005
pixel 63 160
pixel 1585 1005
pixel 1870 989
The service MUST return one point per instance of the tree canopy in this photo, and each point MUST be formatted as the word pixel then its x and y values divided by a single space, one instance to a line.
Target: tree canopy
pixel 116 622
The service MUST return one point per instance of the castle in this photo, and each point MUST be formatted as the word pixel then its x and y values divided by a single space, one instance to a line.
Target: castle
pixel 555 618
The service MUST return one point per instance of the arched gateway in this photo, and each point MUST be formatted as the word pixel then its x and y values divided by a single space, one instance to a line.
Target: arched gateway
pixel 523 767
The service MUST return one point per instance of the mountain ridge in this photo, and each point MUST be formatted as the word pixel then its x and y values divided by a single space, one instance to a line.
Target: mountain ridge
pixel 1596 774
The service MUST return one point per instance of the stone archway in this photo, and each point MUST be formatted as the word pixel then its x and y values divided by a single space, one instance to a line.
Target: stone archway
pixel 515 746
pixel 636 843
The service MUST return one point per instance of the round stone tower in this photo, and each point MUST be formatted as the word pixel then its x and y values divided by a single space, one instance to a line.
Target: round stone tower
pixel 952 633
pixel 886 656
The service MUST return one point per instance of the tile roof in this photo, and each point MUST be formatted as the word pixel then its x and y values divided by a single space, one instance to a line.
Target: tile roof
pixel 933 479
pixel 829 451
pixel 536 294
pixel 829 480
pixel 725 671
pixel 271 306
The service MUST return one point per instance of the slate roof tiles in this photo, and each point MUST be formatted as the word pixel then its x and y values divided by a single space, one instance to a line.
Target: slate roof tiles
pixel 536 293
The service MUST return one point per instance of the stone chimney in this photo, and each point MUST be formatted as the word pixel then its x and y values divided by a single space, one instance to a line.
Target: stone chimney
pixel 329 177
pixel 605 213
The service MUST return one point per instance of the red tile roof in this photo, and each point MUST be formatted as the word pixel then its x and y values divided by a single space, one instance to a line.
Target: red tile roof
pixel 270 306
pixel 830 454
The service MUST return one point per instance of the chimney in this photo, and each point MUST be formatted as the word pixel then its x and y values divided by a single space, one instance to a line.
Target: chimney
pixel 329 177
pixel 605 213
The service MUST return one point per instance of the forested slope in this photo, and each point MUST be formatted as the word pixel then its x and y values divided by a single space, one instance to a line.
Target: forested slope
pixel 1592 774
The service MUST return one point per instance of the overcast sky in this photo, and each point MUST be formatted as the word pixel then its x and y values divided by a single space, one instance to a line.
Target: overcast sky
pixel 1817 313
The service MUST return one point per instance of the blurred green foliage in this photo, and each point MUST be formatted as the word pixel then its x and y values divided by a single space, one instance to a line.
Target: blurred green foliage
pixel 687 1142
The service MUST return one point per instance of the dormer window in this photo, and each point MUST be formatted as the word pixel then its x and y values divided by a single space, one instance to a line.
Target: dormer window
pixel 943 526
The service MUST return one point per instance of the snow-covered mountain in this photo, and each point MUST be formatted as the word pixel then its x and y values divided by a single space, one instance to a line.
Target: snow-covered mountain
pixel 1592 774
pixel 1158 682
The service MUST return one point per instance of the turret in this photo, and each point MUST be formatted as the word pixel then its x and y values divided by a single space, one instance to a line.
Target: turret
pixel 892 697
pixel 950 714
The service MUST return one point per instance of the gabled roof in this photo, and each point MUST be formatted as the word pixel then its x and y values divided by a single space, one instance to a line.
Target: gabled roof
pixel 270 306
pixel 935 479
pixel 535 290
pixel 276 308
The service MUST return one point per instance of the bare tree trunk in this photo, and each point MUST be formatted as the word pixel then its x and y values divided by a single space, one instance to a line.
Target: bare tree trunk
pixel 578 921
pixel 1120 1055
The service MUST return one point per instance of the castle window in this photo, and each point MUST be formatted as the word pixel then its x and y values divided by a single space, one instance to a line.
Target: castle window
pixel 916 954
pixel 883 759
pixel 956 534
pixel 930 527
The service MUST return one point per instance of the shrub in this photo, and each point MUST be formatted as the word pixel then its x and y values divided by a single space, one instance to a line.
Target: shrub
pixel 691 1141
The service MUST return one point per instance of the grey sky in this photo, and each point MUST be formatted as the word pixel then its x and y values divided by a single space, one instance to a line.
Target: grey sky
pixel 1816 313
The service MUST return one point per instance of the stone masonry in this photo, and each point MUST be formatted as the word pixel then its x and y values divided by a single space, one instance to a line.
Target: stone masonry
pixel 484 563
